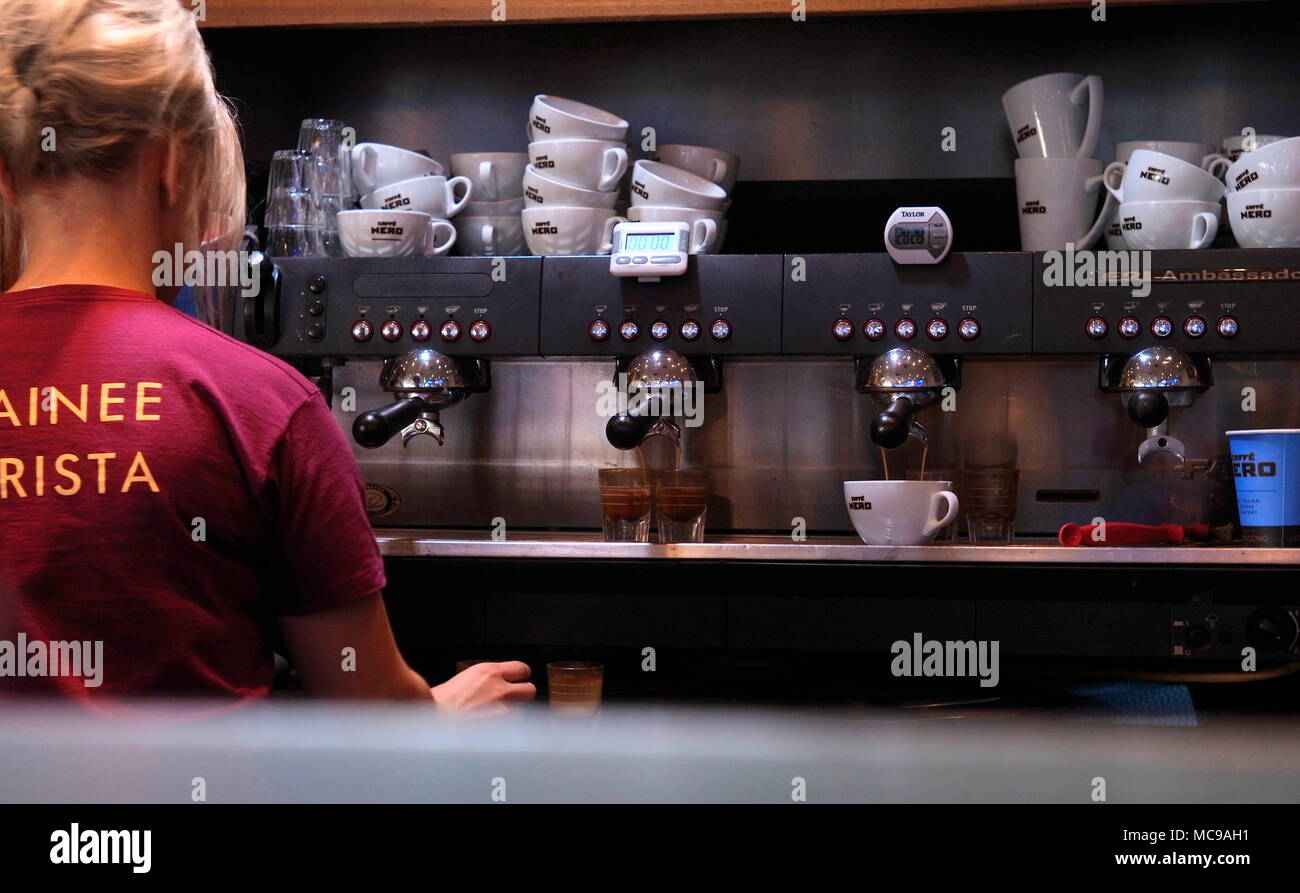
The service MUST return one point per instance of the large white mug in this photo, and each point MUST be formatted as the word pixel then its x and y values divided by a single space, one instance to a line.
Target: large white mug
pixel 900 513
pixel 542 189
pixel 375 166
pixel 496 175
pixel 589 164
pixel 1055 115
pixel 489 236
pixel 559 230
pixel 1056 199
pixel 716 165
pixel 706 226
pixel 503 208
pixel 1234 145
pixel 552 117
pixel 1265 218
pixel 1275 166
pixel 1150 226
pixel 656 183
pixel 434 195
pixel 1154 176
pixel 380 233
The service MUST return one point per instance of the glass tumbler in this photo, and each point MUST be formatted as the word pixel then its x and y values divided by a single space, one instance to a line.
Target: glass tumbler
pixel 329 176
pixel 574 687
pixel 989 499
pixel 625 505
pixel 291 221
pixel 681 501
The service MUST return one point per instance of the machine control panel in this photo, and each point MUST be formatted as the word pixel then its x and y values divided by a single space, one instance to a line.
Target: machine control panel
pixel 862 304
pixel 1214 301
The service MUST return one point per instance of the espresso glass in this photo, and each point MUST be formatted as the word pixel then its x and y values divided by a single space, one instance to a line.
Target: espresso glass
pixel 625 505
pixel 574 687
pixel 989 500
pixel 681 500
pixel 291 221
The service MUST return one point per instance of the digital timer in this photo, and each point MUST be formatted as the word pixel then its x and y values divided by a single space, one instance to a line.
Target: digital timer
pixel 649 249
pixel 918 235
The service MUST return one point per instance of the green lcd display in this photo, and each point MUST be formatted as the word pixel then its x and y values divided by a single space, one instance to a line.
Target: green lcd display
pixel 650 242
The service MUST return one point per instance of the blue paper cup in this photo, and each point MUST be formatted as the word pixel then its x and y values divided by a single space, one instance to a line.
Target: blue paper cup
pixel 1266 471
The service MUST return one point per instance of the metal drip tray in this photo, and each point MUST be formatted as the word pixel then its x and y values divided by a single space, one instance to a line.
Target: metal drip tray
pixel 588 546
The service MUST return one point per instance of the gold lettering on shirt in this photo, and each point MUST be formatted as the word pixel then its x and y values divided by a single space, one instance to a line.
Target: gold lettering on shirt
pixel 40 475
pixel 79 410
pixel 14 477
pixel 141 399
pixel 7 409
pixel 101 458
pixel 132 476
pixel 70 475
pixel 105 400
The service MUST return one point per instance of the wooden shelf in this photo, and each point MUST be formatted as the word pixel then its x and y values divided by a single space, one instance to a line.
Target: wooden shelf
pixel 366 13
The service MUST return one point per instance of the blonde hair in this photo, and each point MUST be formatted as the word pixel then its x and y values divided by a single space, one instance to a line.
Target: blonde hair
pixel 107 76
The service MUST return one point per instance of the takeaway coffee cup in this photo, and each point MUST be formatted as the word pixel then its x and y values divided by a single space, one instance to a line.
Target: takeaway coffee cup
pixel 656 183
pixel 1155 225
pixel 716 165
pixel 900 513
pixel 551 231
pixel 382 233
pixel 375 166
pixel 541 189
pixel 1266 471
pixel 553 117
pixel 496 175
pixel 434 195
pixel 1055 115
pixel 1265 218
pixel 489 236
pixel 1154 176
pixel 1234 145
pixel 706 226
pixel 1057 199
pixel 589 164
pixel 1275 166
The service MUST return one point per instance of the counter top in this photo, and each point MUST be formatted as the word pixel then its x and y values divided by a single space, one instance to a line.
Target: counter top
pixel 588 546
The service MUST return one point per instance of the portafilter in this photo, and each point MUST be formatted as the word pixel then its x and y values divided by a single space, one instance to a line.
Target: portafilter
pixel 903 380
pixel 1151 382
pixel 426 381
pixel 657 373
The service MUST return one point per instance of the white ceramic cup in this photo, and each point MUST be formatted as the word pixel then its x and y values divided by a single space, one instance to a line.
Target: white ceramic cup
pixel 1114 234
pixel 375 166
pixel 489 236
pixel 716 165
pixel 1150 226
pixel 705 225
pixel 900 513
pixel 1192 153
pixel 553 117
pixel 588 164
pixel 544 190
pixel 561 230
pixel 1055 115
pixel 1265 218
pixel 496 175
pixel 434 195
pixel 1275 166
pixel 1154 176
pixel 1234 145
pixel 1057 201
pixel 656 183
pixel 380 233
pixel 502 208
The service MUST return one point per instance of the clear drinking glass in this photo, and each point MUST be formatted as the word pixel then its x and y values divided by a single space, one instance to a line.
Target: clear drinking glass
pixel 291 223
pixel 989 499
pixel 574 687
pixel 954 476
pixel 681 501
pixel 625 505
pixel 329 177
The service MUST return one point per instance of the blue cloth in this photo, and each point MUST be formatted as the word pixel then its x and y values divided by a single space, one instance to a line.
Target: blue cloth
pixel 185 302
pixel 1139 703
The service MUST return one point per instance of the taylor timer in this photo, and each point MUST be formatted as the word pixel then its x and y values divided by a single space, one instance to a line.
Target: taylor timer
pixel 1209 835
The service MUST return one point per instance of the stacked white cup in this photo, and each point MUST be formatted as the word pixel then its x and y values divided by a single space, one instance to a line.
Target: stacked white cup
pixel 691 184
pixel 1264 195
pixel 1055 120
pixel 406 204
pixel 1166 202
pixel 491 225
pixel 1203 155
pixel 577 156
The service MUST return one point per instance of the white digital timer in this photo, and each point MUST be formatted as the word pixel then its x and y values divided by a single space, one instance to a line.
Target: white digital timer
pixel 918 235
pixel 650 249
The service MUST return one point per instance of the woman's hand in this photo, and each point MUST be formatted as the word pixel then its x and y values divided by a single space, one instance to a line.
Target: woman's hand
pixel 485 689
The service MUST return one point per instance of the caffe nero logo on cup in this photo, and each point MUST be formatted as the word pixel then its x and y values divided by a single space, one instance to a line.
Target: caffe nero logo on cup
pixel 1025 133
pixel 393 202
pixel 543 161
pixel 1255 212
pixel 387 228
pixel 859 504
pixel 1244 179
pixel 1155 174
pixel 1244 465
pixel 639 188
pixel 1131 223
pixel 1034 208
pixel 545 228
pixel 539 123
pixel 534 196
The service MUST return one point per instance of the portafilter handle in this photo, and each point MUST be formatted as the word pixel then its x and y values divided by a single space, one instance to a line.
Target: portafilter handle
pixel 891 427
pixel 627 432
pixel 375 428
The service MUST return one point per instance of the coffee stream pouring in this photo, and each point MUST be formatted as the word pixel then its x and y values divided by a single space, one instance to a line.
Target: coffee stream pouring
pixel 426 382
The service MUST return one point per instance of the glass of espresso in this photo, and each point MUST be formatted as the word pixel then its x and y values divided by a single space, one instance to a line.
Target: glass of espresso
pixel 681 500
pixel 625 505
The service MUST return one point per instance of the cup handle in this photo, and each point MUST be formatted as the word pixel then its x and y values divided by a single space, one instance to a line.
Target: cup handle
pixel 607 234
pixel 1215 164
pixel 719 170
pixel 1107 211
pixel 706 228
pixel 614 165
pixel 363 160
pixel 1210 220
pixel 434 226
pixel 1092 86
pixel 489 182
pixel 453 206
pixel 1114 173
pixel 932 527
pixel 487 234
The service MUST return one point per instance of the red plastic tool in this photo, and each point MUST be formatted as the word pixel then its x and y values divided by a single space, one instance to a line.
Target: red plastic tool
pixel 1119 533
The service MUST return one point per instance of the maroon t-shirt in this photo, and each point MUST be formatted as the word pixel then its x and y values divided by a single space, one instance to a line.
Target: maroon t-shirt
pixel 166 490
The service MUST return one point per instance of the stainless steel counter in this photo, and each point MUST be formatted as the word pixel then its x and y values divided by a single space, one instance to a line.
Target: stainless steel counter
pixel 429 543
